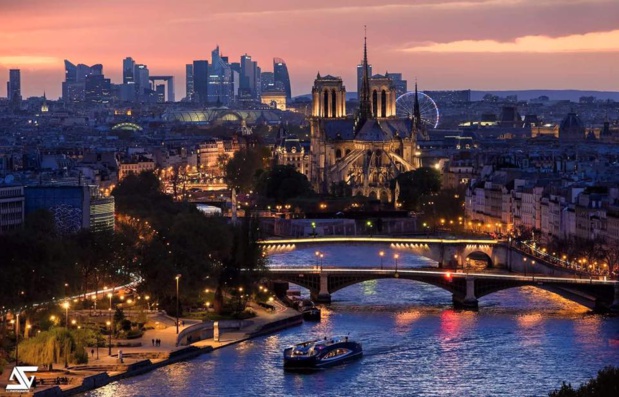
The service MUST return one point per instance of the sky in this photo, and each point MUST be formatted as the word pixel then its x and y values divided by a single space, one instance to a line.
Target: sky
pixel 443 44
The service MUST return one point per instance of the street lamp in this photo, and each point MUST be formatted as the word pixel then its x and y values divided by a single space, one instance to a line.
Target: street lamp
pixel 66 307
pixel 147 297
pixel 109 337
pixel 525 266
pixel 396 256
pixel 17 339
pixel 109 323
pixel 381 253
pixel 178 277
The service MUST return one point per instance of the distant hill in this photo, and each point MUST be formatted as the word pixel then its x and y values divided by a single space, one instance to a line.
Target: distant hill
pixel 553 95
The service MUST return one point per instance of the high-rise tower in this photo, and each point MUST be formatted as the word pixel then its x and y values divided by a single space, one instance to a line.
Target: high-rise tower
pixel 200 81
pixel 13 86
pixel 280 74
pixel 128 71
pixel 189 81
pixel 73 88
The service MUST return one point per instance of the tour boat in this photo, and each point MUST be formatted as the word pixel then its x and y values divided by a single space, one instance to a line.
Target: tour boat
pixel 321 353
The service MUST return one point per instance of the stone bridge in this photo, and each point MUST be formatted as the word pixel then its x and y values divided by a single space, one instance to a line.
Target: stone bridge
pixel 448 252
pixel 466 288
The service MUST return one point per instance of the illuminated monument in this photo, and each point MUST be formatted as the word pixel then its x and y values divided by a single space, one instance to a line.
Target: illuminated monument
pixel 365 151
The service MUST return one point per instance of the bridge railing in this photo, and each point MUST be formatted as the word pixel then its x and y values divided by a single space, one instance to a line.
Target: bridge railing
pixel 379 239
pixel 449 274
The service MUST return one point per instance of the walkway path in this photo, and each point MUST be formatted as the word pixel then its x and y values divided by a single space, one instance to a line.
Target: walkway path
pixel 165 331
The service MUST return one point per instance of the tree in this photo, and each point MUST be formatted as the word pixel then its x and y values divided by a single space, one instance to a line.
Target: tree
pixel 94 254
pixel 605 384
pixel 415 184
pixel 282 183
pixel 198 245
pixel 244 167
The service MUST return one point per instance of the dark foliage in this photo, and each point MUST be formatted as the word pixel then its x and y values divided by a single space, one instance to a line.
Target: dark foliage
pixel 281 183
pixel 606 384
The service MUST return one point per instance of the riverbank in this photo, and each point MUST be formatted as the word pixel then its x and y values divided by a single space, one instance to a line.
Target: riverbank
pixel 137 360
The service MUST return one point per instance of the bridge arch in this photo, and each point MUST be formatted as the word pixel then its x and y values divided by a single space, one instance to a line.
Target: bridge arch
pixel 466 289
pixel 477 260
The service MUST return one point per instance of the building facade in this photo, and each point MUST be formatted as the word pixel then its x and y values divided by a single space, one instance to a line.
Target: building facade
pixel 73 207
pixel 11 207
pixel 366 151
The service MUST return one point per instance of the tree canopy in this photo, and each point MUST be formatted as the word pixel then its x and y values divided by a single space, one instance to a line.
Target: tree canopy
pixel 415 184
pixel 282 182
pixel 605 384
pixel 244 168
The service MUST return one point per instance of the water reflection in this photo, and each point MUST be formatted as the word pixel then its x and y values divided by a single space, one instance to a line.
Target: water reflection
pixel 522 342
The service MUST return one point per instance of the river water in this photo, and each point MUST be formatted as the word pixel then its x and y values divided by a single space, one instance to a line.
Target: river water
pixel 521 342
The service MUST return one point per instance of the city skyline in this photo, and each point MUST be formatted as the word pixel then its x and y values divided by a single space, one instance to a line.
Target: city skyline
pixel 445 44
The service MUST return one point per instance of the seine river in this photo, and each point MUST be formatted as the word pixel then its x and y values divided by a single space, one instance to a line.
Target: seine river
pixel 521 342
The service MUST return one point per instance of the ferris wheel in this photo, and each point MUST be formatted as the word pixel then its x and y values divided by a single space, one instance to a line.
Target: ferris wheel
pixel 427 108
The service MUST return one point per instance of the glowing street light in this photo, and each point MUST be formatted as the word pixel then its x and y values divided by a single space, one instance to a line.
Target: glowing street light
pixel 109 338
pixel 382 254
pixel 109 323
pixel 178 277
pixel 395 257
pixel 66 307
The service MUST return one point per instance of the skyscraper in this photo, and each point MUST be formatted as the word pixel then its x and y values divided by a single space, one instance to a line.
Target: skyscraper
pixel 248 82
pixel 13 86
pixel 73 88
pixel 141 75
pixel 128 71
pixel 97 89
pixel 401 86
pixel 220 80
pixel 200 81
pixel 189 81
pixel 267 82
pixel 280 74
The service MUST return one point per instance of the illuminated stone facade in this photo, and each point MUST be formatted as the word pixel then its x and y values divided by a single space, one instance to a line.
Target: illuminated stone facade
pixel 365 151
pixel 275 99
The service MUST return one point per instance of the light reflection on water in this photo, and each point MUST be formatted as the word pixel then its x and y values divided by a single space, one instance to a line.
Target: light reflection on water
pixel 522 342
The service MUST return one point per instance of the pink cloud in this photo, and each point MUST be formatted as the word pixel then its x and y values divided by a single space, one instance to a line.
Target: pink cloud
pixel 322 35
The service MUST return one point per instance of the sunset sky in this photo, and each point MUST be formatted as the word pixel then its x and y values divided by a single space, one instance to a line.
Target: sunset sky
pixel 445 44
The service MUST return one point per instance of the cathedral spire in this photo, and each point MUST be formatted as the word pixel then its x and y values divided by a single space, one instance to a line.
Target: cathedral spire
pixel 365 107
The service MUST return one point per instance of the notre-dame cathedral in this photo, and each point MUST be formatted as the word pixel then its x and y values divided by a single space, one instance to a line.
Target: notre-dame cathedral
pixel 365 151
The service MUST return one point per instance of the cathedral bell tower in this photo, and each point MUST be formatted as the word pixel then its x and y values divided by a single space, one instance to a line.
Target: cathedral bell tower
pixel 328 103
pixel 328 97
